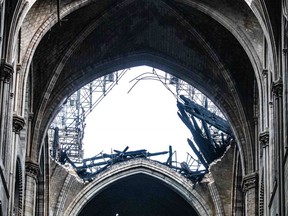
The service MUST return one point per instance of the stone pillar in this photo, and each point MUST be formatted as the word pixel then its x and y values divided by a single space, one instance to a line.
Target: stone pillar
pixel 277 89
pixel 29 129
pixel 18 124
pixel 250 190
pixel 216 198
pixel 2 16
pixel 265 94
pixel 285 99
pixel 17 92
pixel 264 142
pixel 6 72
pixel 285 78
pixel 32 170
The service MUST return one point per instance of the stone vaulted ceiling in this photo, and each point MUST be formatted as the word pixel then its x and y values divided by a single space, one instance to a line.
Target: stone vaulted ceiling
pixel 175 36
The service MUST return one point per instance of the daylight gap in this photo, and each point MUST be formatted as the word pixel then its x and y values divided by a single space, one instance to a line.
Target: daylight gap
pixel 139 104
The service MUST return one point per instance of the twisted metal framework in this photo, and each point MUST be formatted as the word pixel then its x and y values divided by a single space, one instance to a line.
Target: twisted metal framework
pixel 211 134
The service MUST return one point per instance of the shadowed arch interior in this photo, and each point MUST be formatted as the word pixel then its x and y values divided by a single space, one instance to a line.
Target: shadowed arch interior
pixel 140 195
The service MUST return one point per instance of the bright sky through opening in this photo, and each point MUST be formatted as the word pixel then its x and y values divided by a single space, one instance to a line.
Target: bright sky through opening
pixel 144 118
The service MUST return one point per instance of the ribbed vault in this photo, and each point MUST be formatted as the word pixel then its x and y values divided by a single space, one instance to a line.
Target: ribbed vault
pixel 169 35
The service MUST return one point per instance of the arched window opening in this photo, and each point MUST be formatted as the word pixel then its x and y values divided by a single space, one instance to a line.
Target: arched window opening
pixel 211 134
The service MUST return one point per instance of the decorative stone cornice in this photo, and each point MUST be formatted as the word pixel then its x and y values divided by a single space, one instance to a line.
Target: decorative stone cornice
pixel 18 123
pixel 264 138
pixel 18 67
pixel 249 181
pixel 285 9
pixel 32 169
pixel 6 72
pixel 265 72
pixel 277 88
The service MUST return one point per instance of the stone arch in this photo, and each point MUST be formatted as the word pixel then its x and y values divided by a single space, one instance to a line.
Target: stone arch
pixel 13 33
pixel 253 50
pixel 165 64
pixel 175 181
pixel 152 59
pixel 248 153
pixel 261 13
pixel 52 20
pixel 37 37
pixel 237 31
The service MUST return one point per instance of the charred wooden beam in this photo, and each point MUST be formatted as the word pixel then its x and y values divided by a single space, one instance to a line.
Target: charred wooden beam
pixel 204 114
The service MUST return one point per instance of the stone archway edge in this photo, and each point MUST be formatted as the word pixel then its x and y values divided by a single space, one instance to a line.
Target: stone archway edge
pixel 174 180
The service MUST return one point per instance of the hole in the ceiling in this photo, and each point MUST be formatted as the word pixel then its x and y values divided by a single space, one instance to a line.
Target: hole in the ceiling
pixel 132 114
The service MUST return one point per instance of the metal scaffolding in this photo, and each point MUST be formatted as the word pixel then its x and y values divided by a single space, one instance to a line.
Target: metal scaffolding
pixel 67 129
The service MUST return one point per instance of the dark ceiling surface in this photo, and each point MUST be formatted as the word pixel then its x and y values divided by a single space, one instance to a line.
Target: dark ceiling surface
pixel 164 28
pixel 139 195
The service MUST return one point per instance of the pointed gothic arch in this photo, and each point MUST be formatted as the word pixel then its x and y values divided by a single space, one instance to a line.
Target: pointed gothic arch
pixel 155 170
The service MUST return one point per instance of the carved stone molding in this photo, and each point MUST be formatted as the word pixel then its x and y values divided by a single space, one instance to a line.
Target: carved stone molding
pixel 264 138
pixel 18 123
pixel 265 72
pixel 285 48
pixel 249 181
pixel 277 88
pixel 285 9
pixel 18 67
pixel 32 169
pixel 6 72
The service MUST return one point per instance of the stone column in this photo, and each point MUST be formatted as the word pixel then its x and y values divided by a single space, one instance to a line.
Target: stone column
pixel 18 124
pixel 285 99
pixel 216 198
pixel 285 67
pixel 277 89
pixel 264 142
pixel 265 120
pixel 6 72
pixel 250 190
pixel 29 129
pixel 2 16
pixel 32 170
